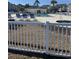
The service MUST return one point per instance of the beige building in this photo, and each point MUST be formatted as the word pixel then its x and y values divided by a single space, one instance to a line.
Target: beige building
pixel 36 10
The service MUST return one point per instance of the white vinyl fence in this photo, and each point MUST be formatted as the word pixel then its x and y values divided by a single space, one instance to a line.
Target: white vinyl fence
pixel 49 38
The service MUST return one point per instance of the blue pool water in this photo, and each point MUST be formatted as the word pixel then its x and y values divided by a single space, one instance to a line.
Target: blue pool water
pixel 42 15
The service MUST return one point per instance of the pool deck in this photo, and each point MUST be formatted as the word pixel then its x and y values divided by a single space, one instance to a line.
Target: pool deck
pixel 52 18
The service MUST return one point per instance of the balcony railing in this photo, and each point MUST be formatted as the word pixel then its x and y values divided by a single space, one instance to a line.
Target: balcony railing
pixel 49 38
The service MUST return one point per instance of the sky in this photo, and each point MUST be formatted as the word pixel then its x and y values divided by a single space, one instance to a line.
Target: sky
pixel 42 2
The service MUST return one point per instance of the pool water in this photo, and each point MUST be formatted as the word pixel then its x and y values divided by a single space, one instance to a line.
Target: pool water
pixel 42 15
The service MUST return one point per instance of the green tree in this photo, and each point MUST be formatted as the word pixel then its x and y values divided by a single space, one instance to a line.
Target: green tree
pixel 26 5
pixel 52 8
pixel 20 7
pixel 53 2
pixel 63 7
pixel 36 3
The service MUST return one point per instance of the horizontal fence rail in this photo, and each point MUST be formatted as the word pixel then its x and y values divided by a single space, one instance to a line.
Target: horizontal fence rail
pixel 49 38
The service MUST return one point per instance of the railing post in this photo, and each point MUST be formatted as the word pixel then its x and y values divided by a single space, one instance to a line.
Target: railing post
pixel 47 36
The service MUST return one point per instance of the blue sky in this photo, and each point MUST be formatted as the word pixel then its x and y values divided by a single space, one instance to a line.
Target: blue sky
pixel 31 2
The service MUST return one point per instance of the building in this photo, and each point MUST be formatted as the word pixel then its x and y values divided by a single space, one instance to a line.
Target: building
pixel 36 10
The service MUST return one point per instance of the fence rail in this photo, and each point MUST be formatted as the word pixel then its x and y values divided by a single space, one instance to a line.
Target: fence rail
pixel 49 38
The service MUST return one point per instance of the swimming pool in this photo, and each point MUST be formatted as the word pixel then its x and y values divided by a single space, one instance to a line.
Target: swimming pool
pixel 42 15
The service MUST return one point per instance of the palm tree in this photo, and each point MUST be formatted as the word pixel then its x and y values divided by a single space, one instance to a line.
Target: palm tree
pixel 53 8
pixel 36 3
pixel 53 2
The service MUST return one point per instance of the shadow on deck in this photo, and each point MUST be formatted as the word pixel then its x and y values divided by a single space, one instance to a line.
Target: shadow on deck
pixel 31 54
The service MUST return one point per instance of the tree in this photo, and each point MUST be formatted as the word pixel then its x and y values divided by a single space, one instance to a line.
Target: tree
pixel 53 2
pixel 63 7
pixel 26 5
pixel 53 7
pixel 12 7
pixel 36 3
pixel 20 7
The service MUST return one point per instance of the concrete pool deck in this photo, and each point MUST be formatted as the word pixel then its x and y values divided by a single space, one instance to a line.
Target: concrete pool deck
pixel 52 18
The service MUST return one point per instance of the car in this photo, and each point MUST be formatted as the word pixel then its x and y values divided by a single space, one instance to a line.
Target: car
pixel 18 15
pixel 24 15
pixel 32 16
